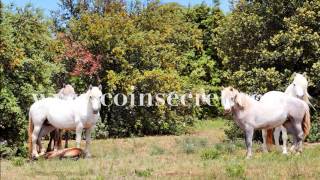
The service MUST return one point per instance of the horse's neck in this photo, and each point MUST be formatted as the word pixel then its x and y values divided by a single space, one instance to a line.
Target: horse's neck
pixel 83 101
pixel 289 90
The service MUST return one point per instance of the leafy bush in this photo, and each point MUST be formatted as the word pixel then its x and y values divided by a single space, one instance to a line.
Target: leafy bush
pixel 314 135
pixel 100 131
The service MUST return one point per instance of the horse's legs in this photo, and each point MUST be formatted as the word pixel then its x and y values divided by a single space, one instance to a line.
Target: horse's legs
pixel 264 138
pixel 276 135
pixel 78 134
pixel 52 134
pixel 299 137
pixel 88 141
pixel 284 139
pixel 35 134
pixel 44 131
pixel 57 140
pixel 249 135
pixel 66 137
pixel 294 142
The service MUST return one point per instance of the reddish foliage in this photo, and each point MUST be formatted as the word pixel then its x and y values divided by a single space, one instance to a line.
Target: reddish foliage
pixel 86 62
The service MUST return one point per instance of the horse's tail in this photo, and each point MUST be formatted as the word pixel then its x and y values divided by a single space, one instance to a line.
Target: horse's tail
pixel 269 137
pixel 306 123
pixel 30 130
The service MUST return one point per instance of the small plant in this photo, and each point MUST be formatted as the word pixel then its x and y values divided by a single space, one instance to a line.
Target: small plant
pixel 209 154
pixel 17 161
pixel 156 150
pixel 235 170
pixel 143 173
pixel 191 144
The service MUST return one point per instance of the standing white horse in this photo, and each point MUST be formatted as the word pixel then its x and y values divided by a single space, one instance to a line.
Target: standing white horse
pixel 81 113
pixel 250 114
pixel 299 89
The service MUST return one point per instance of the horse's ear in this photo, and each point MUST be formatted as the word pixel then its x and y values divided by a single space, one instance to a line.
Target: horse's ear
pixel 64 85
pixel 100 87
pixel 294 74
pixel 90 87
pixel 304 74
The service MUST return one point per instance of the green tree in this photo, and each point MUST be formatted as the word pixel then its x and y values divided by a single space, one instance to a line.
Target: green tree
pixel 28 64
pixel 261 44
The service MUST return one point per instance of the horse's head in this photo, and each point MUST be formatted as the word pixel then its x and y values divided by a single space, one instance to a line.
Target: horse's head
pixel 94 98
pixel 228 98
pixel 300 85
pixel 67 92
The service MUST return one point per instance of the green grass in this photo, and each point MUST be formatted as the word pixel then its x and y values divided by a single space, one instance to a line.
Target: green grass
pixel 201 155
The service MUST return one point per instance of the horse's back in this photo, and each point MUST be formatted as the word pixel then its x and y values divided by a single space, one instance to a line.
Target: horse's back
pixel 272 97
pixel 294 106
pixel 39 109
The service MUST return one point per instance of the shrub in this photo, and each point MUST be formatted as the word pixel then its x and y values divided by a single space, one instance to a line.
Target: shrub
pixel 100 131
pixel 314 135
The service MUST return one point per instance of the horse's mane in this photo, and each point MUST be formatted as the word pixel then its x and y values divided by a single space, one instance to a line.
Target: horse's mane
pixel 244 100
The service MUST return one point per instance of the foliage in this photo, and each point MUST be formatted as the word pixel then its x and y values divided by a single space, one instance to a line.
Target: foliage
pixel 262 43
pixel 236 170
pixel 209 154
pixel 28 64
pixel 154 48
pixel 155 51
pixel 143 173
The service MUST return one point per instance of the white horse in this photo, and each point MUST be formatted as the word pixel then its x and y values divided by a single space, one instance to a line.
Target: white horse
pixel 298 88
pixel 78 114
pixel 250 114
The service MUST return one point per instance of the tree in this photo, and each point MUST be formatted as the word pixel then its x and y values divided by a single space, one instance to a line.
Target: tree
pixel 261 44
pixel 28 64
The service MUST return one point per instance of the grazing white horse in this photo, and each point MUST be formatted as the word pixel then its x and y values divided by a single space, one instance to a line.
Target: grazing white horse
pixel 78 114
pixel 299 89
pixel 250 114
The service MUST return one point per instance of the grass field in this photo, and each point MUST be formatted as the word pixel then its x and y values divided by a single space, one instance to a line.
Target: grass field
pixel 202 154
